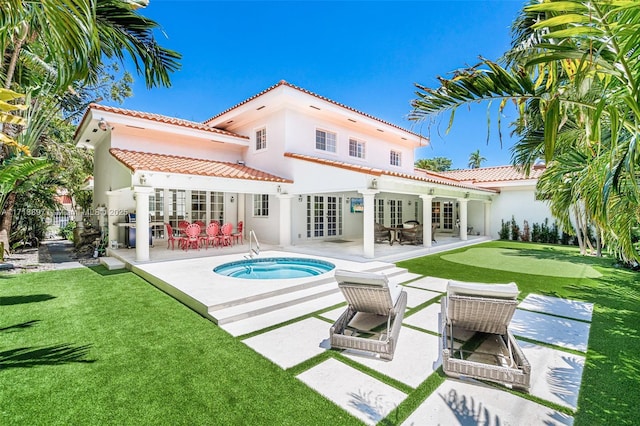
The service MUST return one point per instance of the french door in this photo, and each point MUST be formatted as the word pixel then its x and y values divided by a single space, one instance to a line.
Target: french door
pixel 324 216
pixel 442 214
pixel 176 205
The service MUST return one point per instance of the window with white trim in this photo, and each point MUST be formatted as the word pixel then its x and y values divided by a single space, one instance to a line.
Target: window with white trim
pixel 395 158
pixel 356 148
pixel 260 204
pixel 261 139
pixel 325 141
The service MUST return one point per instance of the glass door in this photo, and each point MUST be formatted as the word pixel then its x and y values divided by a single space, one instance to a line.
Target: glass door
pixel 324 216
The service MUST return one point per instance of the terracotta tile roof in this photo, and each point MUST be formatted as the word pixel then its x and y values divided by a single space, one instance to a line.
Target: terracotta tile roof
pixel 493 174
pixel 428 177
pixel 135 160
pixel 164 119
pixel 308 92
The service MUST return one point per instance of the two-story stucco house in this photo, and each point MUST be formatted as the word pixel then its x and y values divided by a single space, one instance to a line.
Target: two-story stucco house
pixel 293 166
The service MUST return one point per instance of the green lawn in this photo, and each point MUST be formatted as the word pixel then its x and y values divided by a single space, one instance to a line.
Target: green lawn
pixel 91 347
pixel 80 347
pixel 611 380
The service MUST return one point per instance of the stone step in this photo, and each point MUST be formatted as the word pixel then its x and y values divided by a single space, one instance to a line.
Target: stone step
pixel 268 304
pixel 111 263
pixel 279 316
pixel 248 299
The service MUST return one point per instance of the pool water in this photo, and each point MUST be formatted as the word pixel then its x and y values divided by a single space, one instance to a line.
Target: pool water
pixel 271 268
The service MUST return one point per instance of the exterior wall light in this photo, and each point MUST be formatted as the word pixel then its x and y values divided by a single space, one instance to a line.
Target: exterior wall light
pixel 103 125
pixel 232 199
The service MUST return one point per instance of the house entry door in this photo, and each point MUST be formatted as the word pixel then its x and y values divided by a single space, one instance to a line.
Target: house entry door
pixel 324 216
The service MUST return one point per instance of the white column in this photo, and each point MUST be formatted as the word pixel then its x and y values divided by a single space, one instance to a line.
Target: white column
pixel 463 218
pixel 427 238
pixel 487 218
pixel 112 209
pixel 142 222
pixel 285 219
pixel 368 219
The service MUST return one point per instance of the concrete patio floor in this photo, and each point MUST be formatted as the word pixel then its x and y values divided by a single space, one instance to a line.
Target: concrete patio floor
pixel 346 249
pixel 287 323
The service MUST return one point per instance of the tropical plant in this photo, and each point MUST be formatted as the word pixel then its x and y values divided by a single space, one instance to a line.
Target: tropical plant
pixel 505 230
pixel 572 68
pixel 53 50
pixel 476 160
pixel 436 164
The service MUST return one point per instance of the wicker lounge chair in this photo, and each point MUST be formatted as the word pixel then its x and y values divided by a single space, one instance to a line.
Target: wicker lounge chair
pixel 486 308
pixel 372 294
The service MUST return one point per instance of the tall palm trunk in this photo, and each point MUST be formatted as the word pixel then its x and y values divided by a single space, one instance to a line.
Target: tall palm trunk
pixel 579 229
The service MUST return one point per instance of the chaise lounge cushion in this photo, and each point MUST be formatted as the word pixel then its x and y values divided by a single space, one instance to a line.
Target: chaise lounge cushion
pixel 369 278
pixel 498 291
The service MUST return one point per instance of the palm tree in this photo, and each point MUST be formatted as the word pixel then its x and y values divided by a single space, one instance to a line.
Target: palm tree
pixel 436 164
pixel 475 159
pixel 48 47
pixel 572 68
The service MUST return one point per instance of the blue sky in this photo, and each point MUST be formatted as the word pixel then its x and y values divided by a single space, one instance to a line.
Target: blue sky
pixel 367 55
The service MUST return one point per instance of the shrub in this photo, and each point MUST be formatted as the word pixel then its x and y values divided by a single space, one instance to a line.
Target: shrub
pixel 503 234
pixel 515 229
pixel 67 231
pixel 525 235
pixel 535 233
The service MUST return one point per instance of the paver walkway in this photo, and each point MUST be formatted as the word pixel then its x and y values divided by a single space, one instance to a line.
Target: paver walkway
pixel 561 326
pixel 61 254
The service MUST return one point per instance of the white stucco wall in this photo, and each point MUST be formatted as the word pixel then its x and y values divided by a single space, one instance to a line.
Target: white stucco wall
pixel 520 203
pixel 145 140
pixel 267 228
pixel 301 138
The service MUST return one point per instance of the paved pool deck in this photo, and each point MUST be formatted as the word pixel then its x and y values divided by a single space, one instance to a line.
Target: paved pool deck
pixel 289 325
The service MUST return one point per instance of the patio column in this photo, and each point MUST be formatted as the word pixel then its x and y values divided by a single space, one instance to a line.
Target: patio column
pixel 142 222
pixel 112 209
pixel 285 219
pixel 487 218
pixel 427 208
pixel 463 218
pixel 368 219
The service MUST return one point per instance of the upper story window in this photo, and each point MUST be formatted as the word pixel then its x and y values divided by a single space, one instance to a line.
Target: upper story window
pixel 395 158
pixel 325 141
pixel 261 139
pixel 260 204
pixel 356 148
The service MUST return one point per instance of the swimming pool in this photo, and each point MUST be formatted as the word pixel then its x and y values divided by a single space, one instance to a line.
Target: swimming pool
pixel 271 268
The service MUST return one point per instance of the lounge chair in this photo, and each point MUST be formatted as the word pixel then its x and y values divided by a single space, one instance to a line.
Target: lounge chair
pixel 369 293
pixel 486 308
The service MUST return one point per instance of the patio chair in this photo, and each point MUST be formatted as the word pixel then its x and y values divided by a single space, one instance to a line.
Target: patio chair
pixel 486 308
pixel 369 293
pixel 434 226
pixel 182 226
pixel 381 233
pixel 238 234
pixel 411 235
pixel 192 238
pixel 171 239
pixel 225 234
pixel 212 235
